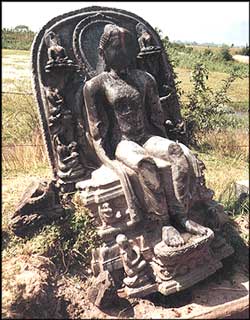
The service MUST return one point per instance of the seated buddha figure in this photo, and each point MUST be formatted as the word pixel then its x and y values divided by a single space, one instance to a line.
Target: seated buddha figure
pixel 126 124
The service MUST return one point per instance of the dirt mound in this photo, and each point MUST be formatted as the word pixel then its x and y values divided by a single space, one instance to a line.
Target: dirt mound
pixel 28 288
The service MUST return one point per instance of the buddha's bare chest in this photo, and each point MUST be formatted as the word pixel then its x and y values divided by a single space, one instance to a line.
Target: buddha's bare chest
pixel 123 97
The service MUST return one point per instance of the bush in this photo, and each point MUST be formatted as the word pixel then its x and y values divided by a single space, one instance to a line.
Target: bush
pixel 206 109
pixel 224 54
pixel 244 51
pixel 207 52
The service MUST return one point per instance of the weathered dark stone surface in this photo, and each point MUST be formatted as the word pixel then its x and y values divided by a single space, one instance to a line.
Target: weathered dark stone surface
pixel 110 115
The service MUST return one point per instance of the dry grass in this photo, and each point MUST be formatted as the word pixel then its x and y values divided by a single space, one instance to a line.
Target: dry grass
pixel 16 70
pixel 226 156
pixel 228 143
pixel 222 171
pixel 24 157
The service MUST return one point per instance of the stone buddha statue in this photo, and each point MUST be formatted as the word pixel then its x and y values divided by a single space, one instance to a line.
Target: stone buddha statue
pixel 126 125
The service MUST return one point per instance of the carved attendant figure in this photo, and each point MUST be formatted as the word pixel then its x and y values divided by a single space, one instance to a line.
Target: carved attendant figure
pixel 127 125
pixel 134 265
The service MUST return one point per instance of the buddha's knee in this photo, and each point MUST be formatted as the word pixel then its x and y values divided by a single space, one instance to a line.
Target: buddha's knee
pixel 130 153
pixel 175 150
pixel 177 157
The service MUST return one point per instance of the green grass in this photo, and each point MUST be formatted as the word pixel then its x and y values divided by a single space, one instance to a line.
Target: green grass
pixel 238 92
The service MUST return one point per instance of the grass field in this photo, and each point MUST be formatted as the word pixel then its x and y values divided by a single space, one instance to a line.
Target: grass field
pixel 22 109
pixel 16 75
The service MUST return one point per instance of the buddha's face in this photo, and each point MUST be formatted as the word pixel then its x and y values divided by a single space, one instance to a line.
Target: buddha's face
pixel 120 50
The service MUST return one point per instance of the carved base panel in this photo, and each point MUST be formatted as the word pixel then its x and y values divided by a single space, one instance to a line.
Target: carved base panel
pixel 185 281
pixel 173 285
pixel 221 249
pixel 104 197
pixel 108 257
pixel 172 269
pixel 137 292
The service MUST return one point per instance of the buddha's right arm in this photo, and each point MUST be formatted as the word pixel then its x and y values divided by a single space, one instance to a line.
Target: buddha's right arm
pixel 90 92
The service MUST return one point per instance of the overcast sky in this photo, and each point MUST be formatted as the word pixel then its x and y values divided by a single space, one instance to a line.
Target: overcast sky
pixel 218 22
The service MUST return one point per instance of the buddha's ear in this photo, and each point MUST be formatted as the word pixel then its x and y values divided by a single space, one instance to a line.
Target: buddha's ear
pixel 101 52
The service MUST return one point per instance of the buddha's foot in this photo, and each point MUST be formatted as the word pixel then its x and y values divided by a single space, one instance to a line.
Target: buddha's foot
pixel 172 237
pixel 195 228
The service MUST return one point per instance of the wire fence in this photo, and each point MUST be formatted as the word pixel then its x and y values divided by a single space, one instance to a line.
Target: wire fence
pixel 18 93
pixel 22 145
pixel 14 146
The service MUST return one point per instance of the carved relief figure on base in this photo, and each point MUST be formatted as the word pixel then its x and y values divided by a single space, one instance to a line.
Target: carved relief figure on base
pixel 135 266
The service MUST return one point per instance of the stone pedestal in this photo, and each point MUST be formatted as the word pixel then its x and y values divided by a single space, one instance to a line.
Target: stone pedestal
pixel 173 269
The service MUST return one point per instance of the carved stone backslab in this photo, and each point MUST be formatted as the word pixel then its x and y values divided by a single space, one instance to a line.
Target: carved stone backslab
pixel 110 117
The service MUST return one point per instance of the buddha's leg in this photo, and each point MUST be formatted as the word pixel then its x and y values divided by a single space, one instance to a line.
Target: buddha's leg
pixel 182 173
pixel 136 158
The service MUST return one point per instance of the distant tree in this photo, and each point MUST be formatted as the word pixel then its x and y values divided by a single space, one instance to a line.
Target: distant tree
pixel 224 53
pixel 21 28
pixel 18 38
pixel 244 51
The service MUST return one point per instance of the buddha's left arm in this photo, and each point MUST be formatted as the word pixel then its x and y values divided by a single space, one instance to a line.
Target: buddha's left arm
pixel 153 106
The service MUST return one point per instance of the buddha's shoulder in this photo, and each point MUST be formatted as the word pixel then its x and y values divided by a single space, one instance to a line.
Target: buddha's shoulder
pixel 96 81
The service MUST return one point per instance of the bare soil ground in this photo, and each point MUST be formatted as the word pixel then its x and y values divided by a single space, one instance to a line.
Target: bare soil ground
pixel 222 295
pixel 27 282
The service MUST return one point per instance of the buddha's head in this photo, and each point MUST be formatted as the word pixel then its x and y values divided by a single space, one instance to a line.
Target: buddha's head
pixel 117 47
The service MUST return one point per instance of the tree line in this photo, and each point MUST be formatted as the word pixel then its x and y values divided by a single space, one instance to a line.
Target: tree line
pixel 18 38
